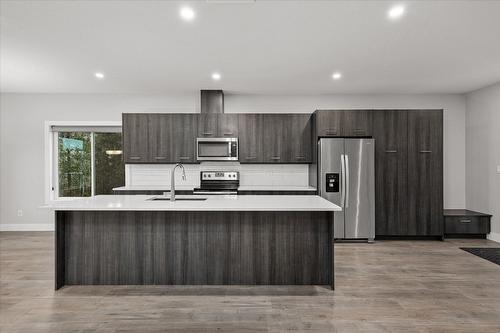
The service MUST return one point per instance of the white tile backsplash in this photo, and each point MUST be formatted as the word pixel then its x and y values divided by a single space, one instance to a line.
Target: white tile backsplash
pixel 156 175
pixel 250 174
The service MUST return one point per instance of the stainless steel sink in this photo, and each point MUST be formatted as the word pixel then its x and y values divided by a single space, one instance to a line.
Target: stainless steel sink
pixel 177 199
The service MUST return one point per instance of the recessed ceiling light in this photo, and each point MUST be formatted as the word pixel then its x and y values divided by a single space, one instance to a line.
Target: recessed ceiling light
pixel 396 12
pixel 187 13
pixel 99 75
pixel 216 76
pixel 337 75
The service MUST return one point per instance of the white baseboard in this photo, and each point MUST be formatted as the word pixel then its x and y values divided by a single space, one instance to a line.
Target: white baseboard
pixel 27 227
pixel 494 236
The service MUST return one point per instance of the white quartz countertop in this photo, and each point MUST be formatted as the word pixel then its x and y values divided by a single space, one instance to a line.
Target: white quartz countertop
pixel 213 203
pixel 275 188
pixel 241 188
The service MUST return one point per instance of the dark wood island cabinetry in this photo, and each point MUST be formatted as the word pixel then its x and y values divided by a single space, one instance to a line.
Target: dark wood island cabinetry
pixel 250 240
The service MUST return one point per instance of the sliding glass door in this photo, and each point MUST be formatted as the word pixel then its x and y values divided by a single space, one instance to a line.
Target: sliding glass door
pixel 74 164
pixel 87 162
pixel 109 170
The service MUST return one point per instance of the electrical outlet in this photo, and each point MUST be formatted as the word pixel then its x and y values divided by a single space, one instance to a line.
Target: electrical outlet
pixel 498 168
pixel 19 212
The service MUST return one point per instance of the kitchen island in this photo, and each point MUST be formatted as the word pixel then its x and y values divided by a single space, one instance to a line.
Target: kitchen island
pixel 221 240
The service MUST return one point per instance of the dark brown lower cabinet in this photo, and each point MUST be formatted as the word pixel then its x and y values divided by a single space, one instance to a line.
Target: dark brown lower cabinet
pixel 466 223
pixel 425 173
pixel 391 172
pixel 409 173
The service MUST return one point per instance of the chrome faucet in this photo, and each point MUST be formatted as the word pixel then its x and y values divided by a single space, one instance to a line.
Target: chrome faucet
pixel 172 181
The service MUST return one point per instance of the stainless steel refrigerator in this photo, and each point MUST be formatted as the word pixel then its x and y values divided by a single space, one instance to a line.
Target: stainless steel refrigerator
pixel 346 175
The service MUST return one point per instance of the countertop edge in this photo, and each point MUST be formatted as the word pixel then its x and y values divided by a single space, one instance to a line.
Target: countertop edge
pixel 241 189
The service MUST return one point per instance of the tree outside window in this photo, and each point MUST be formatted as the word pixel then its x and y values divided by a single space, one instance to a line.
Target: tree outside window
pixel 76 174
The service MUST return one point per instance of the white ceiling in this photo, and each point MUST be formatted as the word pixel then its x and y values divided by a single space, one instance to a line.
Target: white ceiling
pixel 261 47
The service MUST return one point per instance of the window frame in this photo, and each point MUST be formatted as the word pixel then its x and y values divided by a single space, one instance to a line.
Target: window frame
pixel 52 154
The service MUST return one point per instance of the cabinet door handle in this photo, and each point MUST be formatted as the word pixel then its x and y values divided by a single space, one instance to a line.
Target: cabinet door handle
pixel 208 133
pixel 276 158
pixel 250 158
pixel 160 158
pixel 425 151
pixel 184 158
pixel 228 133
pixel 465 221
pixel 299 157
pixel 134 158
pixel 391 151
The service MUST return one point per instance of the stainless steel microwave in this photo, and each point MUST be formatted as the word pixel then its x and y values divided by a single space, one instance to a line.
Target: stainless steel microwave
pixel 217 149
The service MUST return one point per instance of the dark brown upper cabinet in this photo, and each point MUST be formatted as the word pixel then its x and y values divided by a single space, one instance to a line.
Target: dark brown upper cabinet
pixel 390 129
pixel 263 138
pixel 207 125
pixel 185 129
pixel 217 125
pixel 251 132
pixel 328 123
pixel 357 123
pixel 227 125
pixel 425 172
pixel 275 138
pixel 135 128
pixel 298 138
pixel 343 123
pixel 160 138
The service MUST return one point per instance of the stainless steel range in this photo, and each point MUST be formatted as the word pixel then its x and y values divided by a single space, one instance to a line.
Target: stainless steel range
pixel 218 182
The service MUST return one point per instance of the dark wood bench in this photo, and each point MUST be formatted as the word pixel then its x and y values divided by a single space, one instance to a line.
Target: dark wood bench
pixel 463 223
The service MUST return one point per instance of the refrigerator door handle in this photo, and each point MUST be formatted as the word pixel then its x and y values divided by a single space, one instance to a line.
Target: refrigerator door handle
pixel 342 180
pixel 346 159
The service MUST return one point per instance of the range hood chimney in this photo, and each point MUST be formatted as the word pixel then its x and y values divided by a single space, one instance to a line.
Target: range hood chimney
pixel 212 101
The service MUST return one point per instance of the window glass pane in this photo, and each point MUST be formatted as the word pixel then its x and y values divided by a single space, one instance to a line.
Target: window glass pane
pixel 109 166
pixel 74 164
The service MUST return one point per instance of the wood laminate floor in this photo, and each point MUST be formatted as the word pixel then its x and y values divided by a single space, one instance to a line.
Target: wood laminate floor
pixel 388 286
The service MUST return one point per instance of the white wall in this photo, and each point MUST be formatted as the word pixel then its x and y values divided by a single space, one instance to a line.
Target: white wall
pixel 23 116
pixel 483 153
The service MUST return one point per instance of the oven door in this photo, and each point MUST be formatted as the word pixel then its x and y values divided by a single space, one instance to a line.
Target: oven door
pixel 217 149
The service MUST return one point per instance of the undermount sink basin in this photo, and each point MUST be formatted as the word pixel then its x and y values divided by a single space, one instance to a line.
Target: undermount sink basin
pixel 177 199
